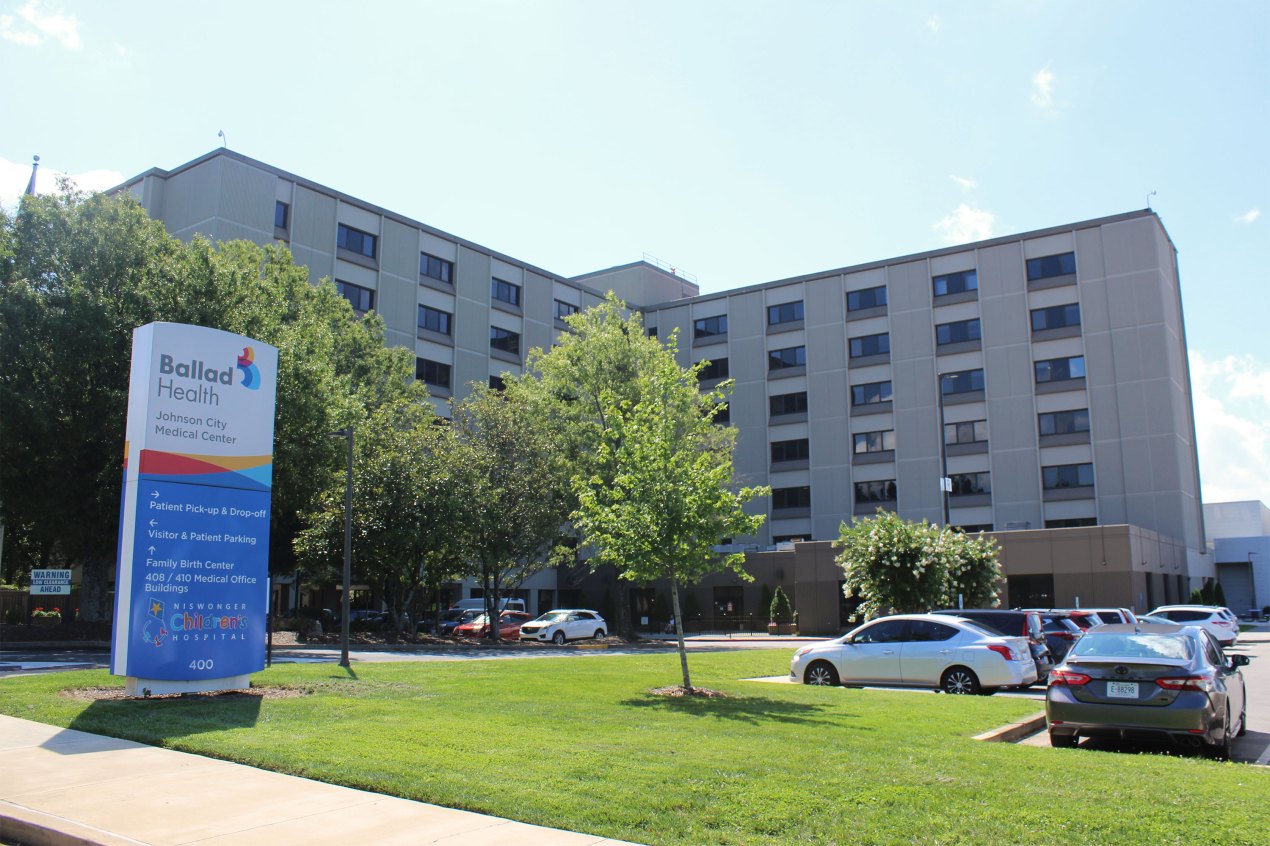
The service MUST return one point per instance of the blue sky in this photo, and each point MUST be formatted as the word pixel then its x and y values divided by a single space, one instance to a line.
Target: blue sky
pixel 739 141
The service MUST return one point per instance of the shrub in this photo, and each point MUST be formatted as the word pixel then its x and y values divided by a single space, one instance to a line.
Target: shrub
pixel 780 611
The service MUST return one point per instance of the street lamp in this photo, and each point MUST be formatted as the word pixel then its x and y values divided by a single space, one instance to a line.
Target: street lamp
pixel 346 432
pixel 945 484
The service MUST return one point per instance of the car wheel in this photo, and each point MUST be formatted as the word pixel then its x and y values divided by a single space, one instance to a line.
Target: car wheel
pixel 821 673
pixel 1062 741
pixel 1222 749
pixel 959 680
pixel 599 634
pixel 558 638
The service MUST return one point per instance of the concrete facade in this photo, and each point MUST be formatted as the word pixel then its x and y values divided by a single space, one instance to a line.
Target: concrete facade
pixel 1055 361
pixel 1240 532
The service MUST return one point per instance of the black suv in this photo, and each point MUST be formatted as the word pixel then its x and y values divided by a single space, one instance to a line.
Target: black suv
pixel 1012 624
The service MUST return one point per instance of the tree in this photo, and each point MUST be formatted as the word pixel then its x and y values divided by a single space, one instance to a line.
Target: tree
pixel 77 274
pixel 406 502
pixel 897 565
pixel 516 497
pixel 663 498
pixel 779 611
pixel 580 385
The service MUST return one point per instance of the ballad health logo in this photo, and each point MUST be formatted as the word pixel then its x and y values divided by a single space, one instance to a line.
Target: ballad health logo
pixel 251 373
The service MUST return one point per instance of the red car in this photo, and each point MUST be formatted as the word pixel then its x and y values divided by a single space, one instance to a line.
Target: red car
pixel 509 623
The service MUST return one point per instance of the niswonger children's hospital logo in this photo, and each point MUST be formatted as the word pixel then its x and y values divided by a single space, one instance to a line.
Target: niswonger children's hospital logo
pixel 154 632
pixel 251 373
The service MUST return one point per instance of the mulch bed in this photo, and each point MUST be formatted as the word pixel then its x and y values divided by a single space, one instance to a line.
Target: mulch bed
pixel 101 694
pixel 678 691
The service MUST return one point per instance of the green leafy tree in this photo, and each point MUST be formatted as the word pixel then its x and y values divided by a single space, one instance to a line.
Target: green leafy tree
pixel 77 274
pixel 516 497
pixel 897 565
pixel 581 384
pixel 780 611
pixel 664 496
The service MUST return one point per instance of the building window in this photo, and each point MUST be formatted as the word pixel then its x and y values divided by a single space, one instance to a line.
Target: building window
pixel 783 498
pixel 1068 523
pixel 957 332
pixel 870 393
pixel 795 450
pixel 784 313
pixel 716 368
pixel 1044 268
pixel 652 331
pixel 436 268
pixel 496 383
pixel 955 283
pixel 1055 317
pixel 961 382
pixel 505 291
pixel 281 215
pixel 972 432
pixel 874 441
pixel 1067 476
pixel 432 372
pixel 789 538
pixel 564 309
pixel 868 345
pixel 1064 422
pixel 1060 369
pixel 723 416
pixel 975 528
pixel 968 484
pixel 880 491
pixel 787 404
pixel 788 357
pixel 434 320
pixel 505 340
pixel 355 241
pixel 362 299
pixel 866 298
pixel 709 327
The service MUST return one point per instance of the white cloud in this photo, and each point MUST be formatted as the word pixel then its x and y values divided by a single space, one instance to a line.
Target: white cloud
pixel 121 51
pixel 1043 88
pixel 965 225
pixel 1232 426
pixel 14 177
pixel 31 27
pixel 1248 217
pixel 963 181
pixel 933 23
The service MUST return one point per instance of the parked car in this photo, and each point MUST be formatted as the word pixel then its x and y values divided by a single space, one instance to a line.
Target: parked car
pixel 509 623
pixel 1154 620
pixel 507 603
pixel 565 624
pixel 1082 617
pixel 1148 681
pixel 1060 633
pixel 1217 621
pixel 1010 623
pixel 1113 616
pixel 451 619
pixel 921 650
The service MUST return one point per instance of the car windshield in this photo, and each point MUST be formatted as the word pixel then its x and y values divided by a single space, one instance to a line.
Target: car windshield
pixel 553 617
pixel 1108 645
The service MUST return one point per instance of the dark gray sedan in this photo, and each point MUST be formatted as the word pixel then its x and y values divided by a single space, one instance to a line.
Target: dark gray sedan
pixel 1150 682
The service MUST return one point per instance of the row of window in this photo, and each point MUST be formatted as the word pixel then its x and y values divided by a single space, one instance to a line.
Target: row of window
pixel 963 484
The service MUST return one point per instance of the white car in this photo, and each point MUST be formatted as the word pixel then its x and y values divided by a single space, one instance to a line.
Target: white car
pixel 565 624
pixel 1220 622
pixel 920 650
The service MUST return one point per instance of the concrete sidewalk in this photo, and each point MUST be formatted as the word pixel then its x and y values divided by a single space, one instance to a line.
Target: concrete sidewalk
pixel 63 787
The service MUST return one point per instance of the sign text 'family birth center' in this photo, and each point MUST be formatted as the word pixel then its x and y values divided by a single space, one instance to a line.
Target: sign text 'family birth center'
pixel 192 581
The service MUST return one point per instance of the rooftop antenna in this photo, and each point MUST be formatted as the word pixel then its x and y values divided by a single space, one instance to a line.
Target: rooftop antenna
pixel 30 186
pixel 224 142
pixel 1149 196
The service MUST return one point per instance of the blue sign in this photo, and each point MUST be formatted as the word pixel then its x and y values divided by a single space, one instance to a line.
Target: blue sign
pixel 200 570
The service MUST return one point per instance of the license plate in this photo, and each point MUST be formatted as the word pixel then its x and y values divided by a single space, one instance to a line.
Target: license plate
pixel 1122 690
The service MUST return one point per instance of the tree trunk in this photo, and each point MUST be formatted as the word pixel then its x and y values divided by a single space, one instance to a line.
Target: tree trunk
pixel 625 622
pixel 679 631
pixel 92 591
pixel 493 618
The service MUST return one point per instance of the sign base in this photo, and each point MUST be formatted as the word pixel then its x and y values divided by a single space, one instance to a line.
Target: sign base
pixel 158 687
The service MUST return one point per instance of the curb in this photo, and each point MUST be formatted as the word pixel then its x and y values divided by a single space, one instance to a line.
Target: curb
pixel 24 825
pixel 1014 731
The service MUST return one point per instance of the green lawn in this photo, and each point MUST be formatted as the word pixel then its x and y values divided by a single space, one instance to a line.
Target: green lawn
pixel 579 743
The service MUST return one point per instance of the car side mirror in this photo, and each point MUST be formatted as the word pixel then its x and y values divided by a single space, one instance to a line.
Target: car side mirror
pixel 1240 660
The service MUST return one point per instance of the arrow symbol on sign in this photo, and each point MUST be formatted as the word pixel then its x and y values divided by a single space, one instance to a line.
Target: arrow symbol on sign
pixel 154 493
pixel 154 523
pixel 152 550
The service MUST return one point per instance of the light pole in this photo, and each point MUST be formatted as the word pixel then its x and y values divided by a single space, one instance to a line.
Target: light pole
pixel 944 482
pixel 346 432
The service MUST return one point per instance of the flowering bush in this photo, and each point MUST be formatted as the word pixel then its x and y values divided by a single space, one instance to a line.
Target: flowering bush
pixel 50 614
pixel 902 566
